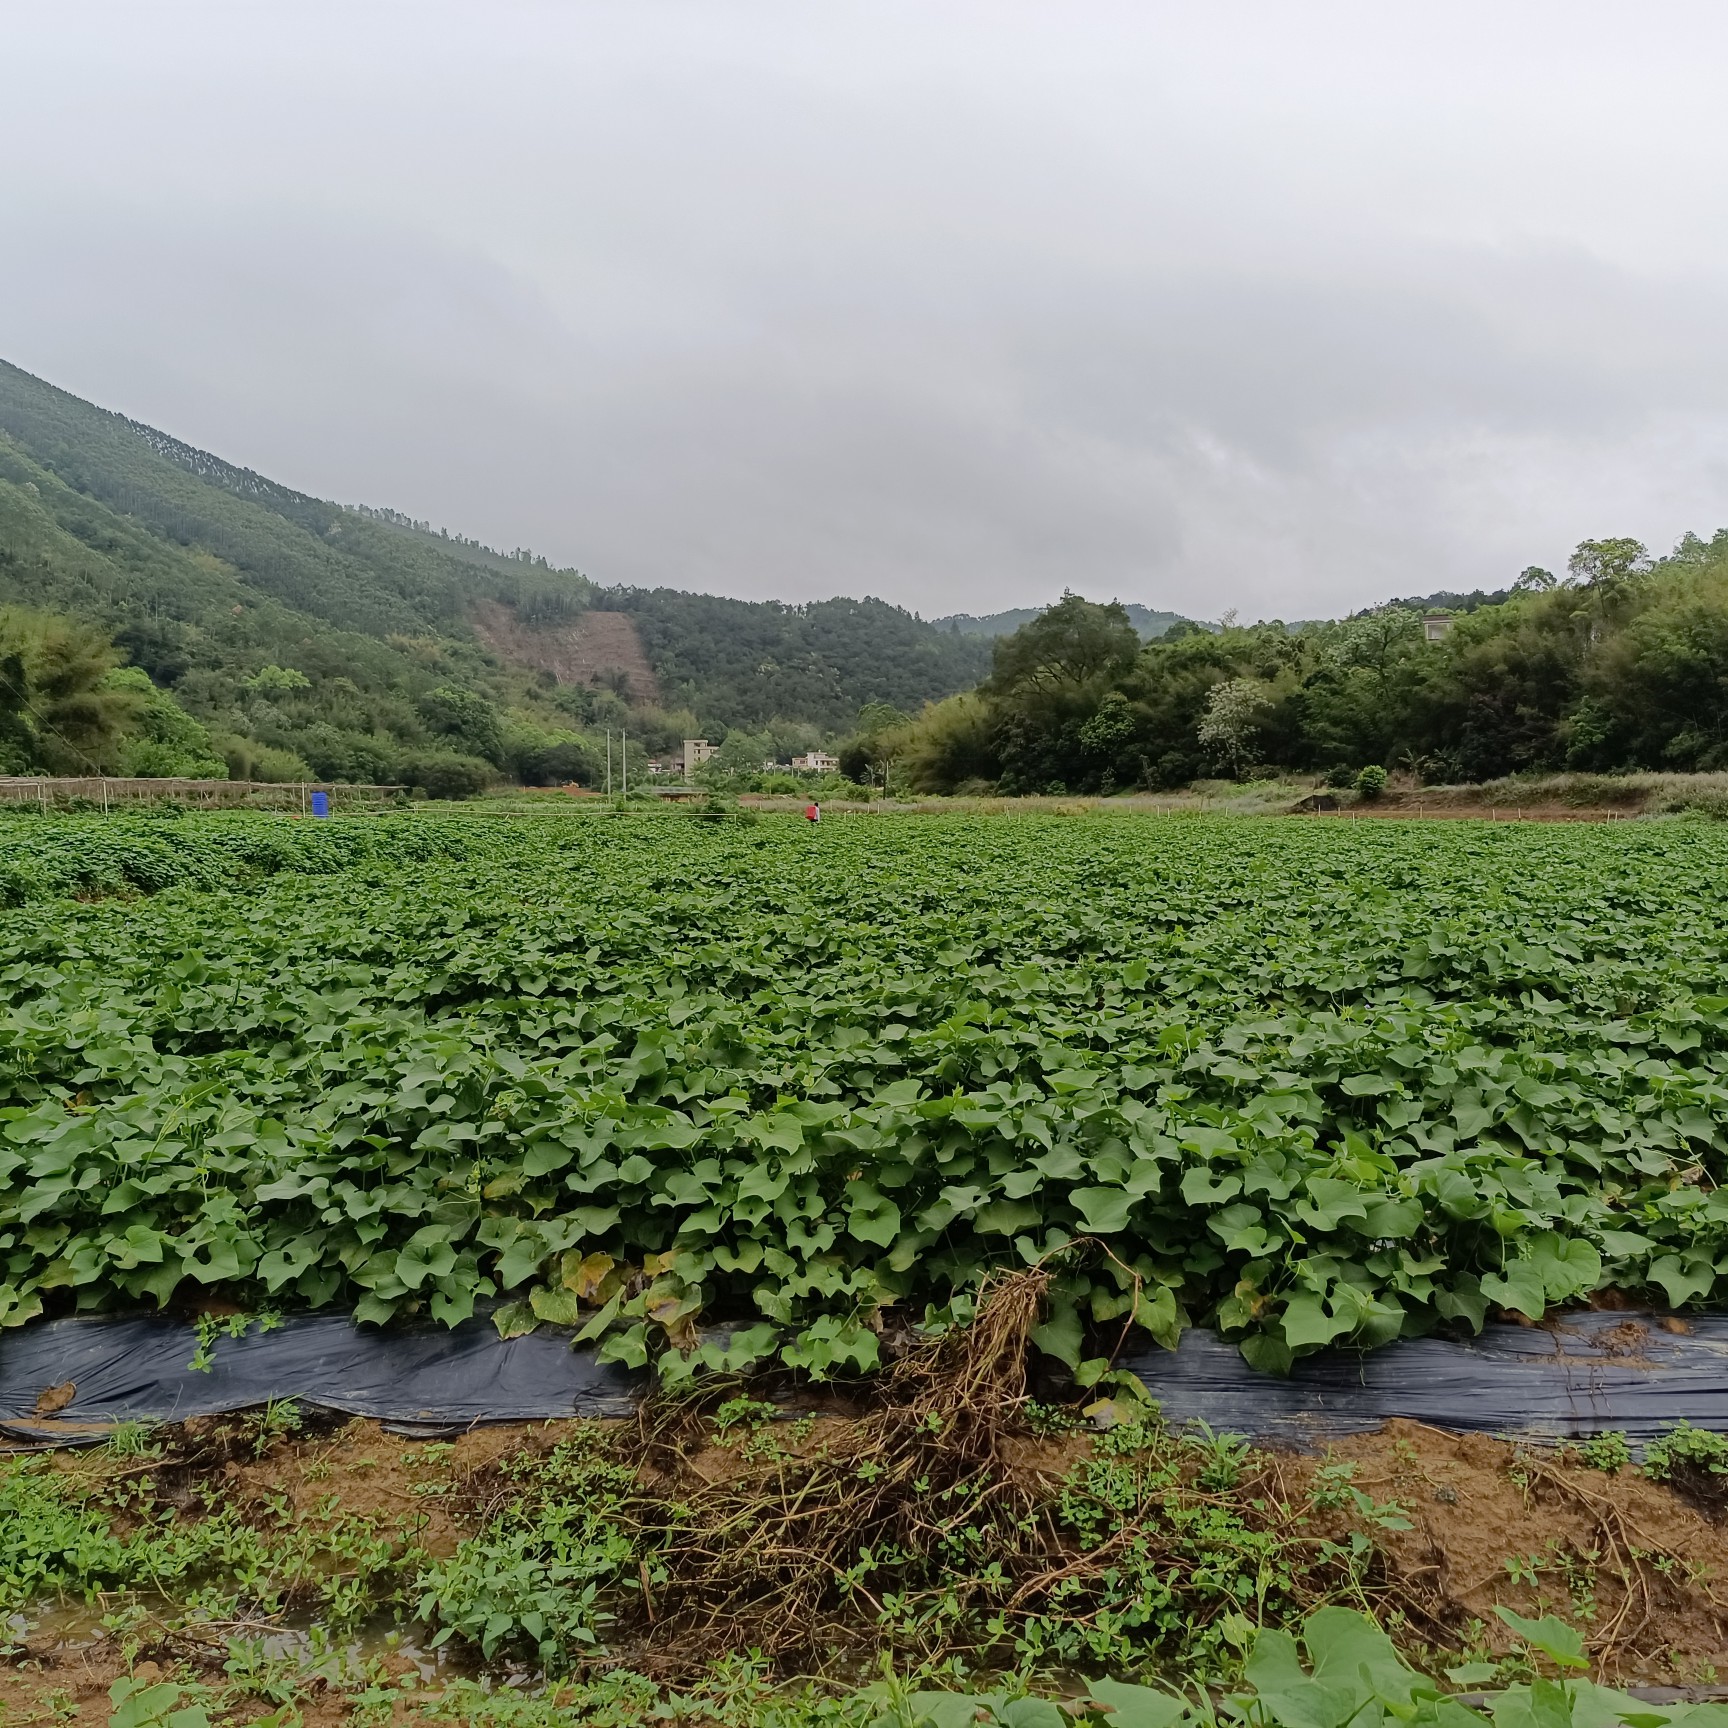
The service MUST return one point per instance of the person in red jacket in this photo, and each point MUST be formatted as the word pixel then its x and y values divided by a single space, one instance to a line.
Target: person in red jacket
pixel 812 811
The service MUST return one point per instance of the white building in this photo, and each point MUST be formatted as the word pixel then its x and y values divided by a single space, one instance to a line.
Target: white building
pixel 817 762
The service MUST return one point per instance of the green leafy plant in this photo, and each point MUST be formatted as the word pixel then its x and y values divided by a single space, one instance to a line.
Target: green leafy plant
pixel 162 1705
pixel 1606 1451
pixel 533 1581
pixel 416 1065
pixel 208 1328
pixel 1686 1450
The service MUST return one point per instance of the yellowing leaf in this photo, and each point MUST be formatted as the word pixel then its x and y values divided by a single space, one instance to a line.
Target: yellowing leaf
pixel 584 1276
pixel 555 1307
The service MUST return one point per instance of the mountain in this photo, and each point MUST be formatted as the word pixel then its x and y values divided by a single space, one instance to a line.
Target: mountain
pixel 1144 619
pixel 347 641
pixel 746 662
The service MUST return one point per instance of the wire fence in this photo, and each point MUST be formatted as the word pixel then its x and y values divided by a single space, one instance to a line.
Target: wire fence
pixel 99 792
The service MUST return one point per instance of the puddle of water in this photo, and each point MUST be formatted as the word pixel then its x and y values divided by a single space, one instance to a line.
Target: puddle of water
pixel 63 1625
pixel 306 1645
pixel 67 1627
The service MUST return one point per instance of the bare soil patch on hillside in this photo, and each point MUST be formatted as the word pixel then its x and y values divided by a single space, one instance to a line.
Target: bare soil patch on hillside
pixel 596 648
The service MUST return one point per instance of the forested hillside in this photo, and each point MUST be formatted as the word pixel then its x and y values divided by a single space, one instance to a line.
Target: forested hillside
pixel 296 636
pixel 1148 621
pixel 749 662
pixel 1621 664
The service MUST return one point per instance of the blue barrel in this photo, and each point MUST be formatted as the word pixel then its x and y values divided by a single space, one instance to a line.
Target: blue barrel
pixel 320 803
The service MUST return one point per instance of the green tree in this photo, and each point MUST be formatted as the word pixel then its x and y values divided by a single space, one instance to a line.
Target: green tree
pixel 871 755
pixel 742 753
pixel 1656 690
pixel 1598 561
pixel 278 678
pixel 1070 643
pixel 446 774
pixel 1234 713
pixel 948 747
pixel 539 757
pixel 163 741
pixel 248 760
pixel 17 738
pixel 466 719
pixel 1111 726
pixel 1048 681
pixel 1356 693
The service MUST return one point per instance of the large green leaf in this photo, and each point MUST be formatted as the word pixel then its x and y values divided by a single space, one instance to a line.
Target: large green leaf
pixel 1521 1287
pixel 1104 1211
pixel 427 1255
pixel 1060 1335
pixel 1136 1706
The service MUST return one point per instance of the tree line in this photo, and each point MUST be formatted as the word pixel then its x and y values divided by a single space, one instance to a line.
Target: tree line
pixel 1620 664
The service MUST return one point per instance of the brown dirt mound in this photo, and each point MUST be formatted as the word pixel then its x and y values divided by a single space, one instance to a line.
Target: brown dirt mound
pixel 359 1471
pixel 1641 1570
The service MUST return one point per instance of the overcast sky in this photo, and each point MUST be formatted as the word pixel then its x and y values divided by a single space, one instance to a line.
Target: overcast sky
pixel 1282 307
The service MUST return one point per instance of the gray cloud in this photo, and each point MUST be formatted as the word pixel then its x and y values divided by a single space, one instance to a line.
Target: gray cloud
pixel 1280 308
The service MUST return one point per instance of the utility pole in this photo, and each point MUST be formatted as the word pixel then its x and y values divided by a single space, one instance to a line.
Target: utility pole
pixel 624 754
pixel 608 761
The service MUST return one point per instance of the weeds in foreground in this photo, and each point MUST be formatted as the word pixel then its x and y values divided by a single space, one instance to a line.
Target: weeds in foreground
pixel 109 1526
pixel 536 1580
pixel 1336 1669
pixel 1607 1451
pixel 948 1524
pixel 958 1529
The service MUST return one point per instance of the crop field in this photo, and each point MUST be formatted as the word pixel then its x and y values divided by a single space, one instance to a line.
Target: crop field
pixel 919 1118
pixel 1304 1083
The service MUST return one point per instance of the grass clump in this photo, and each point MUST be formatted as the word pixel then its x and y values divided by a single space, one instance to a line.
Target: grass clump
pixel 105 1525
pixel 53 1542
